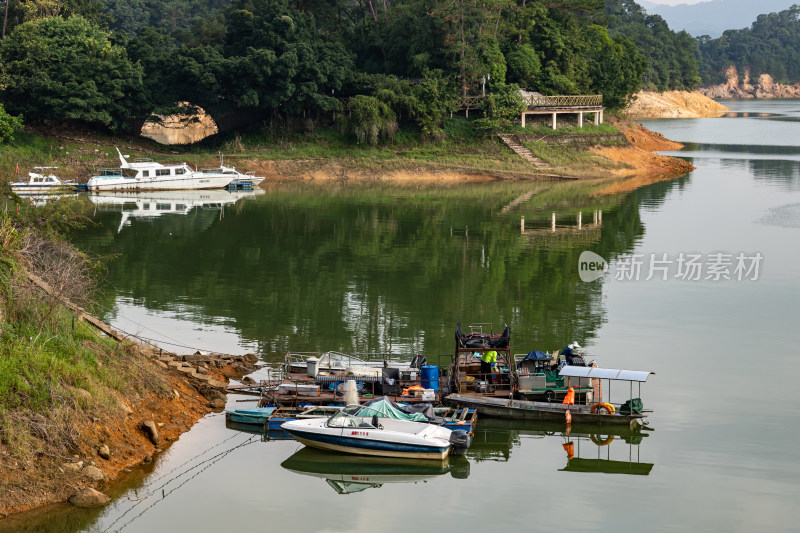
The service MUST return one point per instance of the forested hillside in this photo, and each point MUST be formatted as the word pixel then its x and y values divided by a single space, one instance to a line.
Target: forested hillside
pixel 369 65
pixel 769 46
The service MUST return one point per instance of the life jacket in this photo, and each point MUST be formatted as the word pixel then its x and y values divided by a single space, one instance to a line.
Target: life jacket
pixel 569 399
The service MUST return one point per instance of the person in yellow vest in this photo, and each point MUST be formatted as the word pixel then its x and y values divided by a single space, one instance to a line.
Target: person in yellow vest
pixel 488 360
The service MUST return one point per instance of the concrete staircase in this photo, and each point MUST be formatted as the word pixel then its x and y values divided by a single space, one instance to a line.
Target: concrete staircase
pixel 513 142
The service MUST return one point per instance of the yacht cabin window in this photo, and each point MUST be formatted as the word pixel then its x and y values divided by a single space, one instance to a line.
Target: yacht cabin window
pixel 162 172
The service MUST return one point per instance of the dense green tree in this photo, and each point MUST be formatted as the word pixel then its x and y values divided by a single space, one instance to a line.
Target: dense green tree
pixel 769 46
pixel 68 69
pixel 670 56
pixel 9 124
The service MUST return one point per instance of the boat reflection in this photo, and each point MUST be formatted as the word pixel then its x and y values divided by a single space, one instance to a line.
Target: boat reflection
pixel 158 203
pixel 588 448
pixel 347 474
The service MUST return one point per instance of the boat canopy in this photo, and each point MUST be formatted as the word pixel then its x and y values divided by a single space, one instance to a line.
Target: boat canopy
pixel 604 373
pixel 385 408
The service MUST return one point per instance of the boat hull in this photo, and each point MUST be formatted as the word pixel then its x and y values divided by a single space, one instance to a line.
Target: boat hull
pixel 543 411
pixel 369 447
pixel 39 189
pixel 392 438
pixel 167 183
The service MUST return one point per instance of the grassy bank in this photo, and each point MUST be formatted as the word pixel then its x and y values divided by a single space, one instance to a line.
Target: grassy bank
pixel 67 391
pixel 79 154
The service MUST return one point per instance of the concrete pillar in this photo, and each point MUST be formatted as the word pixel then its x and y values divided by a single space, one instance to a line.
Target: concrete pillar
pixel 580 119
pixel 601 116
pixel 596 118
pixel 554 121
pixel 522 225
pixel 553 221
pixel 594 217
pixel 600 216
pixel 579 219
pixel 467 111
pixel 523 119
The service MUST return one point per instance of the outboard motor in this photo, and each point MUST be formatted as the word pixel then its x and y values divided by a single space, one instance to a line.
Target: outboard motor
pixel 459 441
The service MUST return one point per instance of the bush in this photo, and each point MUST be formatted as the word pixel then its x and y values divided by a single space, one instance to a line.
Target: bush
pixel 9 124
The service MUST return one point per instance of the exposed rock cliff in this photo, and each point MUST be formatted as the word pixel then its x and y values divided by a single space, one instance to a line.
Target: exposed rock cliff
pixel 765 87
pixel 673 104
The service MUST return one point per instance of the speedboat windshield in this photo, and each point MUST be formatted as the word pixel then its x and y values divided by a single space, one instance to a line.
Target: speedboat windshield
pixel 362 411
pixel 344 420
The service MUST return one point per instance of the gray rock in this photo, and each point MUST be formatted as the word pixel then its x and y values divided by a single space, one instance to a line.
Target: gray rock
pixel 202 370
pixel 88 497
pixel 104 452
pixel 73 467
pixel 248 379
pixel 197 358
pixel 150 430
pixel 250 358
pixel 148 459
pixel 93 473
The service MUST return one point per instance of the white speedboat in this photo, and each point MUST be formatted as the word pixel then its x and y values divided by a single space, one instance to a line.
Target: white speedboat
pixel 146 174
pixel 377 436
pixel 42 182
pixel 241 178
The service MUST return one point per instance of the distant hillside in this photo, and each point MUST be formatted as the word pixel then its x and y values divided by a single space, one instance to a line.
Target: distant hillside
pixel 714 16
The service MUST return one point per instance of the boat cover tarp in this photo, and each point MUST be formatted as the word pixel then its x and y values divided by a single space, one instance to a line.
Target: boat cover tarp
pixel 387 407
pixel 536 355
pixel 604 373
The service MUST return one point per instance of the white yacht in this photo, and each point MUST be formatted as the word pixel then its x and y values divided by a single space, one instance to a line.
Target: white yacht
pixel 240 178
pixel 146 174
pixel 42 182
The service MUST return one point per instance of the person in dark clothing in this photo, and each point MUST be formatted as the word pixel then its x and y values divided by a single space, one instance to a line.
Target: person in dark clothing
pixel 570 351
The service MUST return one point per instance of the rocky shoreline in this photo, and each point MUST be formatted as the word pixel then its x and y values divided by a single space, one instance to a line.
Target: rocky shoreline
pixel 764 87
pixel 116 439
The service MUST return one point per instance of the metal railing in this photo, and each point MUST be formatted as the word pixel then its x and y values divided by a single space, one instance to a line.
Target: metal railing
pixel 578 100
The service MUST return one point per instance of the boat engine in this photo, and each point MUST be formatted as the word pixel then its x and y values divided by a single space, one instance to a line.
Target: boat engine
pixel 459 441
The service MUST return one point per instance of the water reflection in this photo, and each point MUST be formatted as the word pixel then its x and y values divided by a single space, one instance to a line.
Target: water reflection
pixel 155 204
pixel 346 474
pixel 375 270
pixel 588 448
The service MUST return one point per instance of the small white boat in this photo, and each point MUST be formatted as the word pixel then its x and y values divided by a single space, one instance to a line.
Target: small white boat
pixel 42 182
pixel 377 436
pixel 146 174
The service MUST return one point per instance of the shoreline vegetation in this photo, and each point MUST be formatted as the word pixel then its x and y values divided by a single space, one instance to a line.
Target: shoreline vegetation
pixel 79 406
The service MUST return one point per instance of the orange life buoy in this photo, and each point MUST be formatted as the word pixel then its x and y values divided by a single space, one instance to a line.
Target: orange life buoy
pixel 607 407
pixel 605 442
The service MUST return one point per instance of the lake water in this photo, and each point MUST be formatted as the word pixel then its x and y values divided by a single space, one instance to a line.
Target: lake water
pixel 375 268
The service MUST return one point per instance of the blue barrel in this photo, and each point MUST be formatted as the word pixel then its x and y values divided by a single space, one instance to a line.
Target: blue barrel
pixel 430 377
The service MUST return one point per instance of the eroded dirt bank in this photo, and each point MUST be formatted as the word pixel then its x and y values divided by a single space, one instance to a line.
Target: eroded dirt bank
pixel 90 442
pixel 635 158
pixel 674 104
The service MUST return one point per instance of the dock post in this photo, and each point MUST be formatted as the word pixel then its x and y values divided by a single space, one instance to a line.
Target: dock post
pixel 523 119
pixel 594 217
pixel 600 216
pixel 580 119
pixel 596 118
pixel 553 221
pixel 579 219
pixel 522 225
pixel 554 121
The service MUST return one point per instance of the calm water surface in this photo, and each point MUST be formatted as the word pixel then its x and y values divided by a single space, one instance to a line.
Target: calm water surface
pixel 372 269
